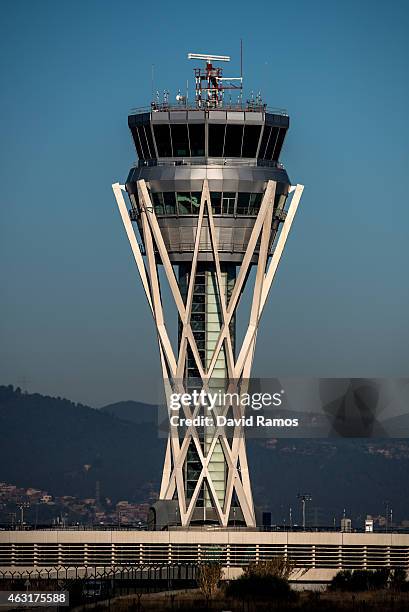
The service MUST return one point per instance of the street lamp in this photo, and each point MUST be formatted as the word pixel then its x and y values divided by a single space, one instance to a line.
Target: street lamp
pixel 22 507
pixel 304 498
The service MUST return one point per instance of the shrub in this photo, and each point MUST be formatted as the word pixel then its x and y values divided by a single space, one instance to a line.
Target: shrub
pixel 208 578
pixel 259 587
pixel 278 566
pixel 366 580
pixel 266 580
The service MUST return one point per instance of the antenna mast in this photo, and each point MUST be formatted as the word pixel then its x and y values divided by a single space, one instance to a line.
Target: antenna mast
pixel 209 82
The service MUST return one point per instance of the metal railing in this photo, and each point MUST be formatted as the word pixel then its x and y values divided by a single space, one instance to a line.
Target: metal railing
pixel 248 107
pixel 202 161
pixel 201 528
pixel 280 215
pixel 187 247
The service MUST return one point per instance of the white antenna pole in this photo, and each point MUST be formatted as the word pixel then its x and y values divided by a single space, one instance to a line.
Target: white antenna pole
pixel 241 69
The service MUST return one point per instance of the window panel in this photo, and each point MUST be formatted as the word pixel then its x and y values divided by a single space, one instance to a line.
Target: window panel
pixel 170 202
pixel 216 198
pixel 180 140
pixel 197 139
pixel 264 141
pixel 250 140
pixel 163 142
pixel 280 201
pixel 243 203
pixel 148 134
pixel 143 141
pixel 279 144
pixel 158 203
pixel 184 203
pixel 234 137
pixel 255 203
pixel 271 143
pixel 137 143
pixel 229 199
pixel 195 198
pixel 216 139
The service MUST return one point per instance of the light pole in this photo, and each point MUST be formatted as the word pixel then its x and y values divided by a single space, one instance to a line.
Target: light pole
pixel 304 498
pixel 22 507
pixel 386 515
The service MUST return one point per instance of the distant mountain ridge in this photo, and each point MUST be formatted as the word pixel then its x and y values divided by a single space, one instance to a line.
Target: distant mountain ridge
pixel 136 412
pixel 46 443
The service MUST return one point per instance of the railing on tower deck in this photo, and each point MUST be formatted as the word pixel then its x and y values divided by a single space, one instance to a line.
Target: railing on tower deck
pixel 249 107
pixel 202 161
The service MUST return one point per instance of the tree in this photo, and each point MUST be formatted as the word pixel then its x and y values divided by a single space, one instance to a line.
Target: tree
pixel 397 579
pixel 208 578
pixel 281 567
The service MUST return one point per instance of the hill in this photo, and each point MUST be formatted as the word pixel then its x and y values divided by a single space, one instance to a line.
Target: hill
pixel 136 412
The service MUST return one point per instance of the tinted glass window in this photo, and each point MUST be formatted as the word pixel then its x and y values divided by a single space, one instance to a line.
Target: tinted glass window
pixel 250 140
pixel 162 137
pixel 184 203
pixel 195 198
pixel 197 139
pixel 229 200
pixel 279 144
pixel 255 203
pixel 143 141
pixel 216 140
pixel 216 198
pixel 279 201
pixel 264 141
pixel 158 203
pixel 137 143
pixel 148 134
pixel 232 143
pixel 180 140
pixel 170 202
pixel 243 203
pixel 271 143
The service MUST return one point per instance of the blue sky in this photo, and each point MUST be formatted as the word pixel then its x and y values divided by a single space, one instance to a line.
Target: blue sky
pixel 73 317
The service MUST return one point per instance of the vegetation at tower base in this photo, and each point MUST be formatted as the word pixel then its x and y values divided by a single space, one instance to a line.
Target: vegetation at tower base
pixel 370 580
pixel 208 579
pixel 267 580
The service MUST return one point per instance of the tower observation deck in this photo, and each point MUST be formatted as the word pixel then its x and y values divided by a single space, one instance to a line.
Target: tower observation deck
pixel 209 200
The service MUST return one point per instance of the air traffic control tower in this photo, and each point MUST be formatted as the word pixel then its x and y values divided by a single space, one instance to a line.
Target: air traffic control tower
pixel 210 202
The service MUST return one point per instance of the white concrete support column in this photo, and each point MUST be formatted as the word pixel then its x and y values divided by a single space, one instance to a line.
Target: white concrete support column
pixel 218 452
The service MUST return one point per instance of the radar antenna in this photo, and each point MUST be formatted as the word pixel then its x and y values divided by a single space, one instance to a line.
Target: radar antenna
pixel 210 82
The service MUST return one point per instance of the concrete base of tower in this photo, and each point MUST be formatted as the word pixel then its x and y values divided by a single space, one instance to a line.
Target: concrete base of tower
pixel 164 516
